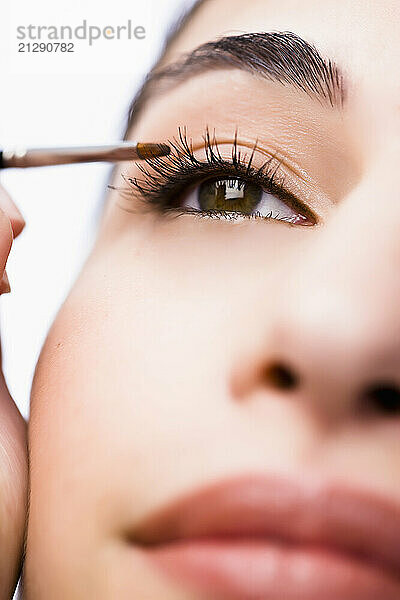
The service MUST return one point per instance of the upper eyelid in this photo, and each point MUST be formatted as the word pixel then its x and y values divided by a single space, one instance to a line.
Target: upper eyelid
pixel 268 151
pixel 203 169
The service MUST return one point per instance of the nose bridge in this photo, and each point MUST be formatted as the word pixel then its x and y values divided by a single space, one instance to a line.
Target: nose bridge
pixel 353 261
pixel 336 321
pixel 339 316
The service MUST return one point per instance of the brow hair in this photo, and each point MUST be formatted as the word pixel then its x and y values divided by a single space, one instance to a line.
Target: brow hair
pixel 284 57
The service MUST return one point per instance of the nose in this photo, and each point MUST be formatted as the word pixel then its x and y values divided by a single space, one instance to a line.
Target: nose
pixel 332 339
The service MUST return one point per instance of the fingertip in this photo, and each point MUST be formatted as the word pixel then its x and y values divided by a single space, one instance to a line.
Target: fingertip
pixel 6 239
pixel 13 213
pixel 17 223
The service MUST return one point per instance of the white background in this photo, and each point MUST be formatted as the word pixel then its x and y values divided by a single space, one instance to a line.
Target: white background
pixel 62 99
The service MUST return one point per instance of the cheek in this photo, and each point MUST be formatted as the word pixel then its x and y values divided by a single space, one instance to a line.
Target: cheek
pixel 135 363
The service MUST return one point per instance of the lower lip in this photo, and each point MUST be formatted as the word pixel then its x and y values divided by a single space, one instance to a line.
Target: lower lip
pixel 261 569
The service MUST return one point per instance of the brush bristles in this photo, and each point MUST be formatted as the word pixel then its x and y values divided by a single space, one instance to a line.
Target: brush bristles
pixel 146 151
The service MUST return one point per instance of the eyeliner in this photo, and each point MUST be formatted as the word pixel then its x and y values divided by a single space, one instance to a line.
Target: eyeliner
pixel 22 158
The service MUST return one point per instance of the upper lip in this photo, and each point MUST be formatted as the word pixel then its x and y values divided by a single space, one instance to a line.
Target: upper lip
pixel 353 521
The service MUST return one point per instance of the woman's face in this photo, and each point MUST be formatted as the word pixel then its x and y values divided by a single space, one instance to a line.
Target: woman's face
pixel 259 352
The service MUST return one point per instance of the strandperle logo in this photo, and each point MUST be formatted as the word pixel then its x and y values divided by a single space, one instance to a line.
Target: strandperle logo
pixel 90 33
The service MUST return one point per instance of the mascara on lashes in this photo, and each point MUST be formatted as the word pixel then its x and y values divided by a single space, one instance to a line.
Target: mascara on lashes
pixel 164 180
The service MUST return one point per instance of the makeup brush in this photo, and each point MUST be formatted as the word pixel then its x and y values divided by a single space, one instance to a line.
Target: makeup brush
pixel 45 157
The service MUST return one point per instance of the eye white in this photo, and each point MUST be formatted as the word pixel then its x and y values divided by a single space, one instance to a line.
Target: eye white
pixel 268 206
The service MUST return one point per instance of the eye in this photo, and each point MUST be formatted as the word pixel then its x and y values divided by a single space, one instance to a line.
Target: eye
pixel 234 197
pixel 217 186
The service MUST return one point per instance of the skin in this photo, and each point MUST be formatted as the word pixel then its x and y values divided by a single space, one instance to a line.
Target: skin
pixel 150 383
pixel 13 446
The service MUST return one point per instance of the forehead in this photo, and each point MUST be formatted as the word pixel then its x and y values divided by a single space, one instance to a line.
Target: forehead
pixel 358 34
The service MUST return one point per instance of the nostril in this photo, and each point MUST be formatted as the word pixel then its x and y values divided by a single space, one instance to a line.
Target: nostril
pixel 280 376
pixel 383 398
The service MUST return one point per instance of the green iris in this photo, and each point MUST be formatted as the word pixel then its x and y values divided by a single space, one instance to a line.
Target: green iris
pixel 233 195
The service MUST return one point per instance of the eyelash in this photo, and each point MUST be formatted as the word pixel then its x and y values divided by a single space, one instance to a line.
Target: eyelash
pixel 165 179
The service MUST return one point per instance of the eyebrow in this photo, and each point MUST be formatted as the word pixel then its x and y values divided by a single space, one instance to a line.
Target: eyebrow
pixel 282 57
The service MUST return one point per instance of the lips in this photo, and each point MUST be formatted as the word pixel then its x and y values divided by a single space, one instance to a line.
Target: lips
pixel 266 538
